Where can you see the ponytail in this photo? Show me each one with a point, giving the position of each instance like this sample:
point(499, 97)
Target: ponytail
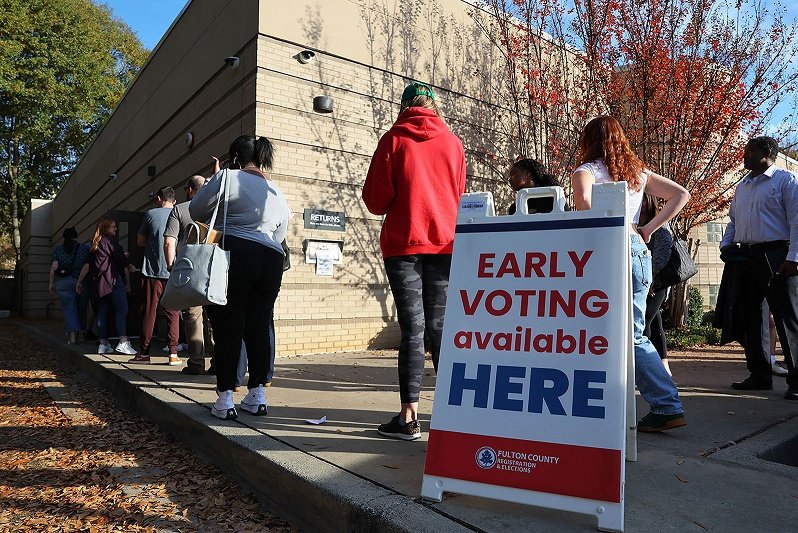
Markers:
point(264, 152)
point(250, 150)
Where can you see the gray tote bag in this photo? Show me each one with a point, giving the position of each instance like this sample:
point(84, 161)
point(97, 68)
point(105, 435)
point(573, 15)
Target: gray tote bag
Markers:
point(199, 273)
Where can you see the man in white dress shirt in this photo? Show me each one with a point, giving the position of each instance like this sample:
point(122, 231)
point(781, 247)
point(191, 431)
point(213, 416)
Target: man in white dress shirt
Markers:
point(764, 229)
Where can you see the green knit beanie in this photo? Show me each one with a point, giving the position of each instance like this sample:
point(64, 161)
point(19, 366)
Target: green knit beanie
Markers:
point(417, 89)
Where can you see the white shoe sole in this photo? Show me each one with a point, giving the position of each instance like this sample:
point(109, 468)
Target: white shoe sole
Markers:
point(258, 410)
point(402, 436)
point(125, 352)
point(227, 414)
point(175, 363)
point(779, 371)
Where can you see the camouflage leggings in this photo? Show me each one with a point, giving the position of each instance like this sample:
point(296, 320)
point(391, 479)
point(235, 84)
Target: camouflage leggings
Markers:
point(418, 284)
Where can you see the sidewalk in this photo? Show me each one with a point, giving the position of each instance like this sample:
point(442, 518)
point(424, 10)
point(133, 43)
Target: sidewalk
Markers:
point(342, 476)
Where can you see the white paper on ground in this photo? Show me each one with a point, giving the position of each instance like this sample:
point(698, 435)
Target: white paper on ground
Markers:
point(317, 422)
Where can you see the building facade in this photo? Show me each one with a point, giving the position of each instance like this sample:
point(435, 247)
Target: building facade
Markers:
point(232, 67)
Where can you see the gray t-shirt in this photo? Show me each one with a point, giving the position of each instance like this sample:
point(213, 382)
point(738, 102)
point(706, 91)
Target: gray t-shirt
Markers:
point(257, 210)
point(152, 227)
point(178, 222)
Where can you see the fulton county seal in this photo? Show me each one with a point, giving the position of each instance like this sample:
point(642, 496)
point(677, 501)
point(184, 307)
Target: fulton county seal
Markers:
point(486, 457)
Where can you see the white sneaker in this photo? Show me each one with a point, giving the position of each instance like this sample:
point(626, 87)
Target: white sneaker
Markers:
point(255, 401)
point(104, 348)
point(180, 347)
point(126, 348)
point(776, 367)
point(224, 407)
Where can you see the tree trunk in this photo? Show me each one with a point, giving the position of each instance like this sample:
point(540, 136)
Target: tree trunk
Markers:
point(12, 174)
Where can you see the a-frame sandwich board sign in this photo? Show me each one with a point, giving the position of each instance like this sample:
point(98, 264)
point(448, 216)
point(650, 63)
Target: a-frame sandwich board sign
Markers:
point(534, 378)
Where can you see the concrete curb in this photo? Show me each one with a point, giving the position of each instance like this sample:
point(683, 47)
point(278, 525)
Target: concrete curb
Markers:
point(310, 492)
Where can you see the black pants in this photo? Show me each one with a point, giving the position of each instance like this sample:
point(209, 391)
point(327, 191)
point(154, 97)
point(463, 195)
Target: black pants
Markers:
point(256, 272)
point(418, 284)
point(655, 330)
point(759, 283)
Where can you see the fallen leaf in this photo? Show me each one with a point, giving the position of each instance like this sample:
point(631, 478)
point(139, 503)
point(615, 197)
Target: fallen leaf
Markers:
point(730, 412)
point(680, 462)
point(680, 478)
point(702, 526)
point(392, 467)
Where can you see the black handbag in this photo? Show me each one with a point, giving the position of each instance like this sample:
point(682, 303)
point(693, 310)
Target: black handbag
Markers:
point(679, 268)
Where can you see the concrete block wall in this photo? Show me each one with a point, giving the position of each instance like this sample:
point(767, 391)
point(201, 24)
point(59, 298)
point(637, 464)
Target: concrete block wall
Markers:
point(35, 260)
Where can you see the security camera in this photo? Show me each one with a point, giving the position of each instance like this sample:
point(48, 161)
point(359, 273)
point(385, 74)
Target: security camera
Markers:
point(112, 176)
point(232, 62)
point(305, 56)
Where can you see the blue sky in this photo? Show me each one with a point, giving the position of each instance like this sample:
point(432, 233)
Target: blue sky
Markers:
point(148, 18)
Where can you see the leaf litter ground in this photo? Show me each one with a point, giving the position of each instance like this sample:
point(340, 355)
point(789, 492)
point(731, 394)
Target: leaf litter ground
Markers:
point(71, 460)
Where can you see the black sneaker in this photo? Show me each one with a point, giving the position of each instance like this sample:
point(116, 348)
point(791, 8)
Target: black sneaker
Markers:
point(193, 370)
point(750, 383)
point(393, 429)
point(653, 422)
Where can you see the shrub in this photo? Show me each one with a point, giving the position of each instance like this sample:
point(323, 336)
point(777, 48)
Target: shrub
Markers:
point(690, 336)
point(695, 307)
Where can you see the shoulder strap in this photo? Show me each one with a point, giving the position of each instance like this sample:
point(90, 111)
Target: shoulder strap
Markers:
point(226, 198)
point(223, 191)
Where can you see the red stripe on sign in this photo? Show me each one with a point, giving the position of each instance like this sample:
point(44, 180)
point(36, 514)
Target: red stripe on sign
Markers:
point(580, 471)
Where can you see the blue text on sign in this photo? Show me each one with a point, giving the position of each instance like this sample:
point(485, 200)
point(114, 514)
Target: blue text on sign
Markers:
point(543, 385)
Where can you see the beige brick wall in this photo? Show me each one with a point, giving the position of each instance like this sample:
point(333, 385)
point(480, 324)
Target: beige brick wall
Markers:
point(366, 51)
point(322, 159)
point(321, 163)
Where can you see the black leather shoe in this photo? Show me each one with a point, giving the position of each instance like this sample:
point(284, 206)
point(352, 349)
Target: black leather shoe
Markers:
point(791, 394)
point(751, 384)
point(193, 370)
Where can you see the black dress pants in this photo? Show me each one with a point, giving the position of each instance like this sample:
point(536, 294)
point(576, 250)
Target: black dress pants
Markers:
point(761, 282)
point(655, 330)
point(254, 278)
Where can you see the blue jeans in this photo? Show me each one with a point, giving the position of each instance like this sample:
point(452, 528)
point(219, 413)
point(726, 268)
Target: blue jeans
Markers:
point(65, 287)
point(118, 300)
point(655, 385)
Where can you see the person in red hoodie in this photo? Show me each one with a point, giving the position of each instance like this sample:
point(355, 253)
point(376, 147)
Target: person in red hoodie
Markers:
point(415, 179)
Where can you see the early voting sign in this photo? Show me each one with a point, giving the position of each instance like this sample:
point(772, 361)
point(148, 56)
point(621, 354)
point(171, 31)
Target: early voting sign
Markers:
point(532, 387)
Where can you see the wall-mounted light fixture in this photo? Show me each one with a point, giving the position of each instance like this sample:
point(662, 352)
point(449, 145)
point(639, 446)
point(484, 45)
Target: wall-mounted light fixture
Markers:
point(232, 62)
point(112, 176)
point(323, 104)
point(305, 56)
point(189, 139)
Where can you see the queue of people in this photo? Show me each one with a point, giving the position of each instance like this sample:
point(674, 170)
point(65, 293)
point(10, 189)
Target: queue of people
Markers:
point(415, 180)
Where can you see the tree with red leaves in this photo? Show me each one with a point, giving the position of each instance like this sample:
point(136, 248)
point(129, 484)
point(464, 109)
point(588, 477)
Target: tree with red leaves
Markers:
point(690, 81)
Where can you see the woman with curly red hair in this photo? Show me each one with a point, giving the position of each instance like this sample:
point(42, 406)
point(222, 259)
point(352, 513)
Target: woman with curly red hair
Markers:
point(606, 156)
